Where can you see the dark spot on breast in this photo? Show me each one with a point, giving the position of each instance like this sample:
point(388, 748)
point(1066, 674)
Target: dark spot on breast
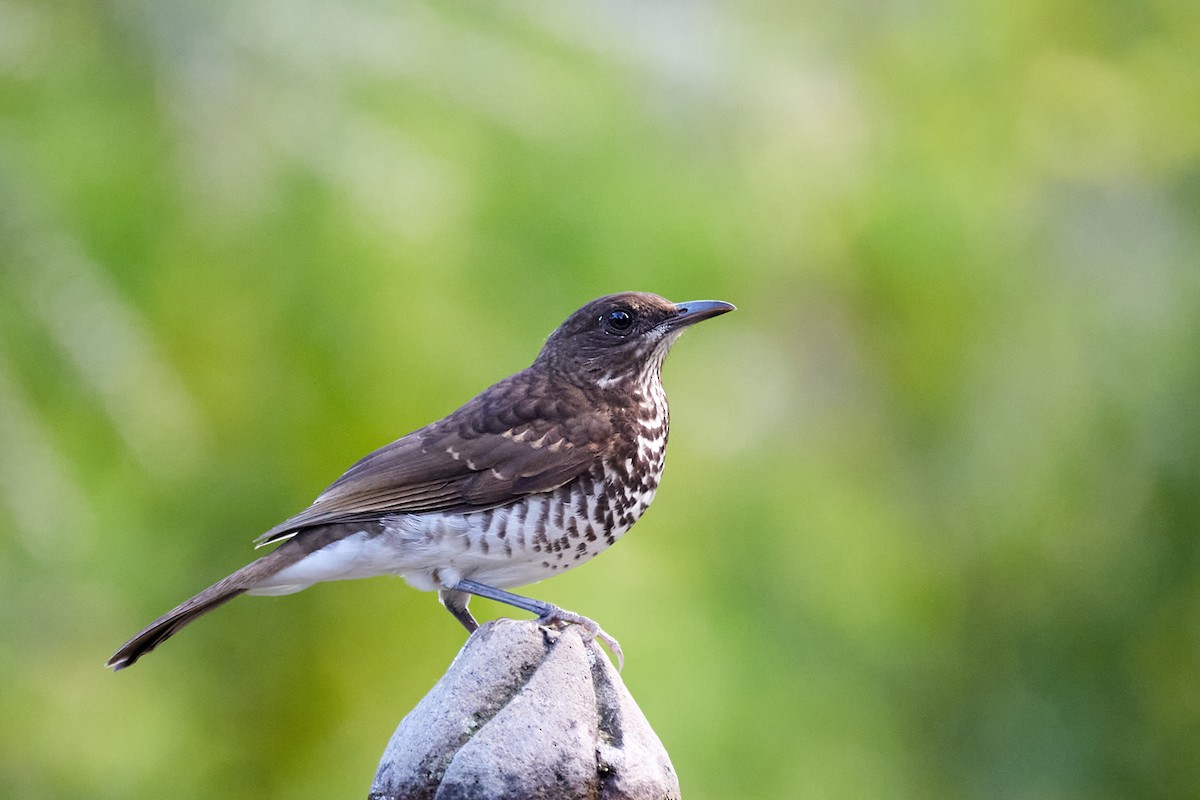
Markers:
point(601, 507)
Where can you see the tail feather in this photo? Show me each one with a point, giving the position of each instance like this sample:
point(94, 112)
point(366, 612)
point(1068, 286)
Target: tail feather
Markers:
point(165, 626)
point(250, 578)
point(214, 596)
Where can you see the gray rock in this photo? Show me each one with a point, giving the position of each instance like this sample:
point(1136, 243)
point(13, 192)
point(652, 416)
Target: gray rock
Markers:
point(526, 711)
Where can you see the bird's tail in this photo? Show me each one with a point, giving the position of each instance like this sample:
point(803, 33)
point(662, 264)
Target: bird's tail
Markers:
point(165, 626)
point(216, 595)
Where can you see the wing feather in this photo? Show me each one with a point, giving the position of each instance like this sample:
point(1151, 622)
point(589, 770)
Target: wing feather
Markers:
point(519, 437)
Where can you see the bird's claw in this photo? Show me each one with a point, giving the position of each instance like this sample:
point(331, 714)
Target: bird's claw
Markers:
point(559, 618)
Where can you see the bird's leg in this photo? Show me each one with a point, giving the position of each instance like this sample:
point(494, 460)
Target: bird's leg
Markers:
point(456, 603)
point(547, 613)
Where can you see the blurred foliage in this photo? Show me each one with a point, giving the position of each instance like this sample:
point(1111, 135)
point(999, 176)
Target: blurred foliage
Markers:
point(929, 525)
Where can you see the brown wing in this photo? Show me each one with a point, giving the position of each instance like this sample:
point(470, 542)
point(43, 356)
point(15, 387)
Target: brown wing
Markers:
point(527, 434)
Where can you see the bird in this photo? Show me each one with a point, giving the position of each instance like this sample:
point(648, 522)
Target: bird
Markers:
point(532, 477)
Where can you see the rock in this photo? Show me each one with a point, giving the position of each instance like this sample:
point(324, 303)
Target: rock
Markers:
point(526, 711)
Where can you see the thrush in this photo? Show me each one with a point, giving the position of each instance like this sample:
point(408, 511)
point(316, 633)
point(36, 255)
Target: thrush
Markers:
point(532, 477)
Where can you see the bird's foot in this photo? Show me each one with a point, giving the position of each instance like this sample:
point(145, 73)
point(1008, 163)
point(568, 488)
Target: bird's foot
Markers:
point(548, 613)
point(556, 617)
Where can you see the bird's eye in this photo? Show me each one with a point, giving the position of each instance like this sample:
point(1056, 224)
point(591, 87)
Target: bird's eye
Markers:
point(618, 321)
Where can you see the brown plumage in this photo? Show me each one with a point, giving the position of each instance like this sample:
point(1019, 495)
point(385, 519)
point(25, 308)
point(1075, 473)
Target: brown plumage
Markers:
point(534, 475)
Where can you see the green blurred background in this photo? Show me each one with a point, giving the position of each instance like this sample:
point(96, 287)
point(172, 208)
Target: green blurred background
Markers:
point(929, 522)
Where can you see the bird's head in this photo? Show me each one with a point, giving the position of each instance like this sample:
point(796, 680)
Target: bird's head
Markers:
point(622, 337)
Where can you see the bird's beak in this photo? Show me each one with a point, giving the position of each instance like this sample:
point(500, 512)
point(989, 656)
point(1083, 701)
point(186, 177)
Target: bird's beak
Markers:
point(697, 310)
